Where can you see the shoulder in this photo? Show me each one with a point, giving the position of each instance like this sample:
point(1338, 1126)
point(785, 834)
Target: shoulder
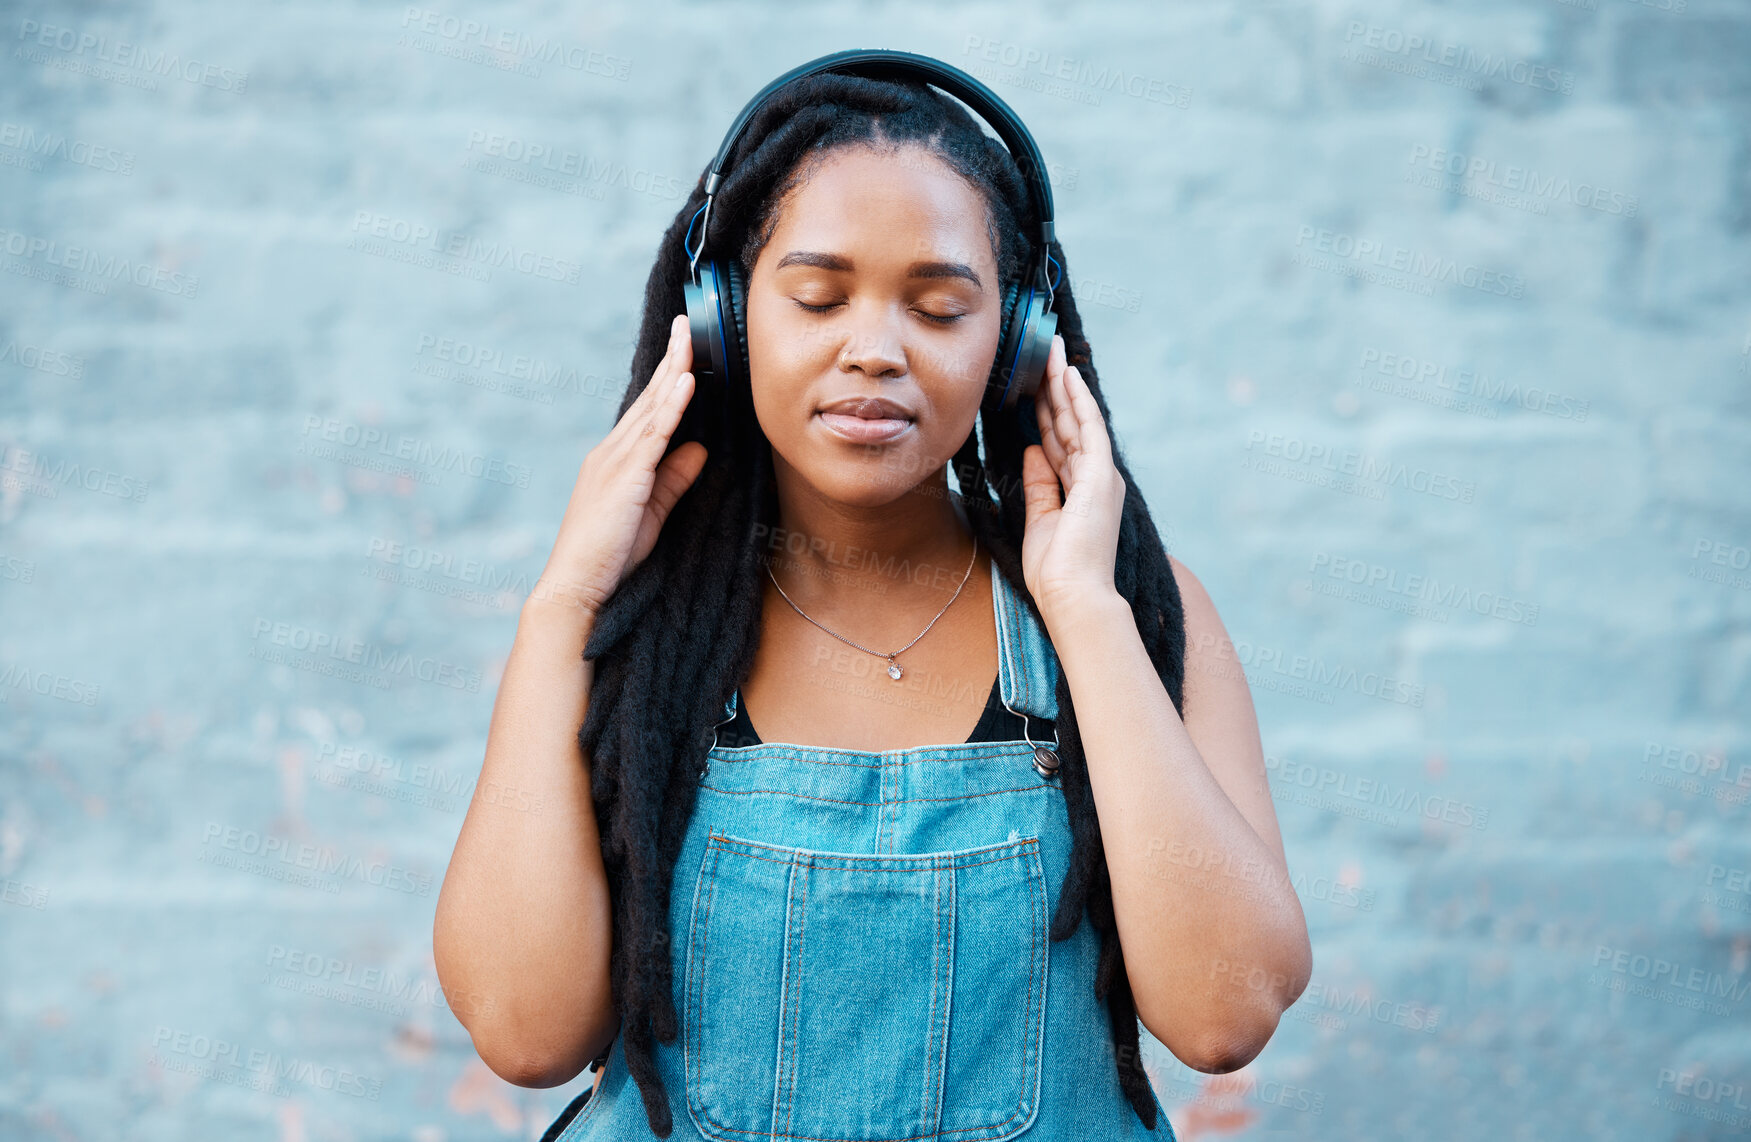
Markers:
point(1202, 621)
point(1215, 684)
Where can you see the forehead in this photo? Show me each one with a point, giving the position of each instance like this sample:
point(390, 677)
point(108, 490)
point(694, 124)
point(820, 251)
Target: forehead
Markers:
point(884, 207)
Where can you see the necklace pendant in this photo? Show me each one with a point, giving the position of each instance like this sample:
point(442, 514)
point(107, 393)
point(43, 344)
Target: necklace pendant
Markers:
point(894, 670)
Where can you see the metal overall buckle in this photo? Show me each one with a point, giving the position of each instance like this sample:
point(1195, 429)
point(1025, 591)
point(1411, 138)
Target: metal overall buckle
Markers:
point(1045, 757)
point(706, 767)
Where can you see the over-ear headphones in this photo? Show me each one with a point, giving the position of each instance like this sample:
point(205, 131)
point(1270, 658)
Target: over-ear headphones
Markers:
point(716, 294)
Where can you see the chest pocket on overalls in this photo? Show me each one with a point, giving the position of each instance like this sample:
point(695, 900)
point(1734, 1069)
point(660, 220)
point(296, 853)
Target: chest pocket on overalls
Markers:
point(836, 997)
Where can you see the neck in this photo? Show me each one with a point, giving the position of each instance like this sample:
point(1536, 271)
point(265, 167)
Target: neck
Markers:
point(917, 547)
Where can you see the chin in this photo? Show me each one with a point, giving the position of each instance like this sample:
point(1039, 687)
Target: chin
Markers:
point(861, 485)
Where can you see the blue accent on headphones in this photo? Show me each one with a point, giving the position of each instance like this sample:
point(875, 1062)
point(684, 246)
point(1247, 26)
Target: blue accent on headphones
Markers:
point(716, 312)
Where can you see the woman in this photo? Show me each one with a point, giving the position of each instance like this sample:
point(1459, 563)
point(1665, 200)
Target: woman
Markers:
point(864, 919)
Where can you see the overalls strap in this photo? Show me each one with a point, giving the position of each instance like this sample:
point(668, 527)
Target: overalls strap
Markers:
point(1028, 672)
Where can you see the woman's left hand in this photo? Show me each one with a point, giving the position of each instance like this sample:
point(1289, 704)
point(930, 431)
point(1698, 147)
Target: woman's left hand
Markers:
point(1074, 494)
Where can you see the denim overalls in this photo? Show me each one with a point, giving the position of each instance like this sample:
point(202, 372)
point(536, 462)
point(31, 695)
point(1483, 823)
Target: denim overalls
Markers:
point(861, 949)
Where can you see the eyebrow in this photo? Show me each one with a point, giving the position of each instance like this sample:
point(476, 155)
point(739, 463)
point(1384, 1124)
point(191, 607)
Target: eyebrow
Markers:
point(841, 264)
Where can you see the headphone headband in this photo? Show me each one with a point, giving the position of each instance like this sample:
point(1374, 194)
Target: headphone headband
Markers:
point(880, 63)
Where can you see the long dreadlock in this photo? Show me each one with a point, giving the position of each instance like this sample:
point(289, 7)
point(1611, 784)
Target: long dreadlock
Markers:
point(680, 634)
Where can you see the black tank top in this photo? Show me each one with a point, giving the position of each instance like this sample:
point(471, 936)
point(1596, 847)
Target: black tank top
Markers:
point(996, 724)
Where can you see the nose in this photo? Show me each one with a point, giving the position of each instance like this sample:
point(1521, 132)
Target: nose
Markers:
point(873, 349)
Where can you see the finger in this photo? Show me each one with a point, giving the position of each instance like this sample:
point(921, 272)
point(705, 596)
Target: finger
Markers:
point(1043, 415)
point(1064, 416)
point(1045, 408)
point(674, 476)
point(679, 358)
point(1040, 490)
point(1055, 357)
point(654, 433)
point(680, 342)
point(1092, 425)
point(669, 482)
point(662, 378)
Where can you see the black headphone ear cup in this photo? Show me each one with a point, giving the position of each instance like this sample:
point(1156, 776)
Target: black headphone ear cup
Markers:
point(738, 307)
point(700, 301)
point(995, 386)
point(1027, 343)
point(1038, 327)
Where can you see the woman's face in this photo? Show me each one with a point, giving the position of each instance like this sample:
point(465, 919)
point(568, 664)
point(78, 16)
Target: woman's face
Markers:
point(878, 282)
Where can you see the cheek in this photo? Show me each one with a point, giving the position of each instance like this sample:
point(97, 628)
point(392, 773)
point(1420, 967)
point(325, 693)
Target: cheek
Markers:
point(785, 351)
point(960, 366)
point(773, 370)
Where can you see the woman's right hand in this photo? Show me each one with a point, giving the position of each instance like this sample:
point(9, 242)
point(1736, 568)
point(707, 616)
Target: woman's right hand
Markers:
point(626, 487)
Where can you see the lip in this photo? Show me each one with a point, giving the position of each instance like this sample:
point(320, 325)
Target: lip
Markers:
point(866, 420)
point(864, 429)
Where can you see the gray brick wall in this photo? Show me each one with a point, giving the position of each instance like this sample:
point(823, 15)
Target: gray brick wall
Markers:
point(1426, 327)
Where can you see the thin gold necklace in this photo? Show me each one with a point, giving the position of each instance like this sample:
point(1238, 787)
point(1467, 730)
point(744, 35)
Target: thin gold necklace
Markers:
point(894, 668)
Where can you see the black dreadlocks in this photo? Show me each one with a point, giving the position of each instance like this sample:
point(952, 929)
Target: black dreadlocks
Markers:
point(680, 633)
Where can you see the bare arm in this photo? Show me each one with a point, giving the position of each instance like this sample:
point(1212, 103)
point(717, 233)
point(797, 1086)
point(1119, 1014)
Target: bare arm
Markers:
point(524, 927)
point(1216, 946)
point(1215, 943)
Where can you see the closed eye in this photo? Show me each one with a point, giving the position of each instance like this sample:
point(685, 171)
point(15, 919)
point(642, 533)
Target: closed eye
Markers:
point(934, 318)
